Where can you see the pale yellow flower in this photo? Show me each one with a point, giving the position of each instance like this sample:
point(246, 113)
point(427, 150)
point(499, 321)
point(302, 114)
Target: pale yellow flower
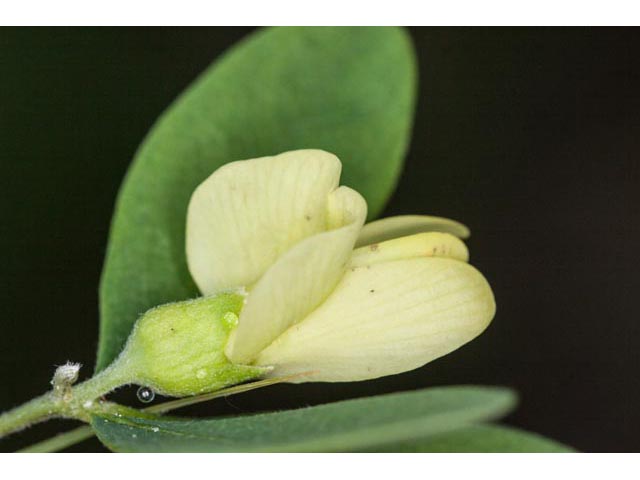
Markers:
point(325, 293)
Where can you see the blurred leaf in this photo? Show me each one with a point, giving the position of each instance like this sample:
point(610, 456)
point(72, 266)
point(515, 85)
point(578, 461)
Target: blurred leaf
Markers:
point(350, 91)
point(342, 426)
point(482, 439)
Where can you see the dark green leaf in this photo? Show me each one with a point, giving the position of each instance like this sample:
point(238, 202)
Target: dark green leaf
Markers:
point(482, 439)
point(350, 91)
point(343, 426)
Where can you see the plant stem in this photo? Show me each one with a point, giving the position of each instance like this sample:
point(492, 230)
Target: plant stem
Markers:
point(61, 441)
point(77, 435)
point(104, 382)
point(75, 402)
point(38, 409)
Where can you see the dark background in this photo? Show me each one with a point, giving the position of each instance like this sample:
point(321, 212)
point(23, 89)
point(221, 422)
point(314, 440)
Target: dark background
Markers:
point(529, 136)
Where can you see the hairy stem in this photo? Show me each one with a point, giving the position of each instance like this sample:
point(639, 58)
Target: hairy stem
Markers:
point(77, 435)
point(77, 402)
point(36, 410)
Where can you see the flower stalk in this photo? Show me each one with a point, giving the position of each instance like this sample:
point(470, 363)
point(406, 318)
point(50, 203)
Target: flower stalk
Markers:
point(65, 401)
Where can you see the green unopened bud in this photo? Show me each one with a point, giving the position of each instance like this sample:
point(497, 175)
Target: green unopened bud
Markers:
point(178, 349)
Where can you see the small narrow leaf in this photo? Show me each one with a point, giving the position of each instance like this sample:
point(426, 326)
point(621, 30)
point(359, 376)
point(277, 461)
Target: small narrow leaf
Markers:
point(482, 439)
point(343, 426)
point(349, 91)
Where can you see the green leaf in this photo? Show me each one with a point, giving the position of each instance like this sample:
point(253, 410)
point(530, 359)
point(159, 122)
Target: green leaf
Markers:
point(342, 426)
point(350, 91)
point(482, 439)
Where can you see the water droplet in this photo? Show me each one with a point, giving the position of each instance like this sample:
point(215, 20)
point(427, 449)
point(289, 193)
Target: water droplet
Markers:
point(201, 373)
point(146, 395)
point(155, 429)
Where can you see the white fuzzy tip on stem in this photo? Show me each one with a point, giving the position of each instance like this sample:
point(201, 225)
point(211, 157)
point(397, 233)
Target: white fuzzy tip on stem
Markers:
point(65, 376)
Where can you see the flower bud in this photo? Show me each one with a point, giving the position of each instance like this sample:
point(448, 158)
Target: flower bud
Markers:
point(178, 349)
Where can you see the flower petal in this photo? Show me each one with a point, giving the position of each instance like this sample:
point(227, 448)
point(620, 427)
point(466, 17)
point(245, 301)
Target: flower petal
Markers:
point(247, 213)
point(385, 319)
point(430, 244)
point(403, 225)
point(300, 280)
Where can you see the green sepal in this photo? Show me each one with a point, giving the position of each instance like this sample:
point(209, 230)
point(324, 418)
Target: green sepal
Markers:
point(177, 349)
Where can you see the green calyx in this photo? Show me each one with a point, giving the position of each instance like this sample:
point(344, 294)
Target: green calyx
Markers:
point(178, 349)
